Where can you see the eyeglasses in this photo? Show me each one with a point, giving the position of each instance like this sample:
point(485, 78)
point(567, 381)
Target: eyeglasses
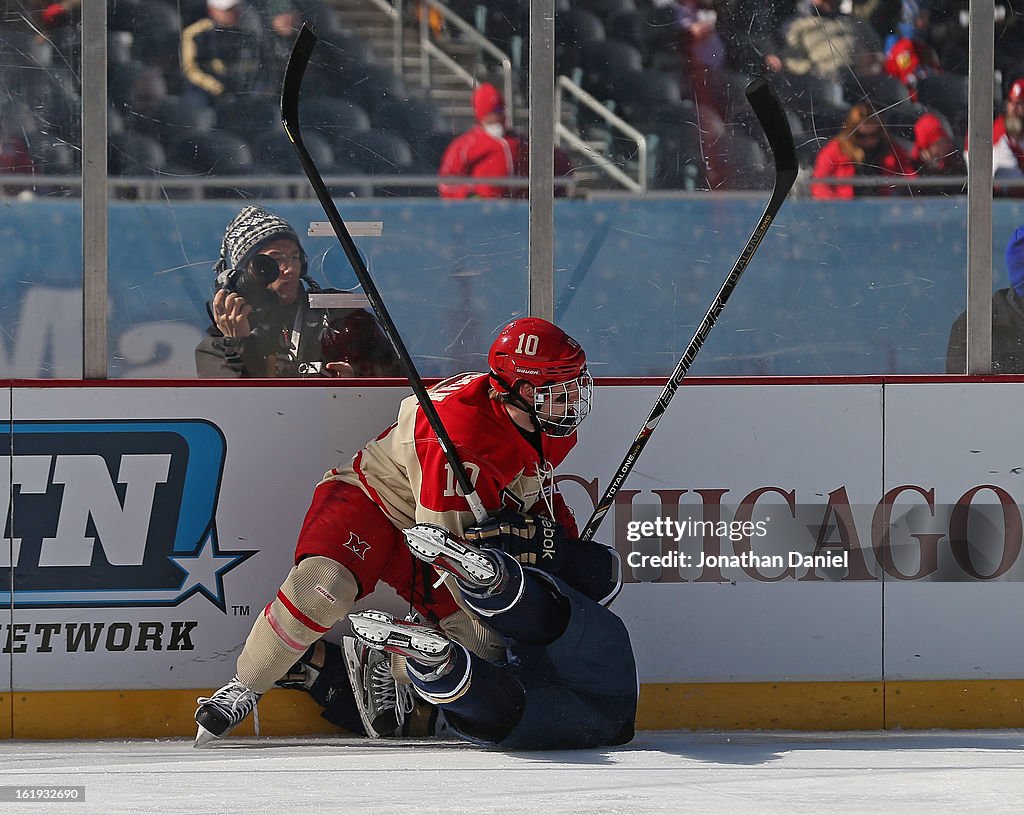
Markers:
point(283, 260)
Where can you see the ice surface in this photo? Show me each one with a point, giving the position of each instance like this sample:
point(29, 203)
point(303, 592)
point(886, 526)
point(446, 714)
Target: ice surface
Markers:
point(734, 773)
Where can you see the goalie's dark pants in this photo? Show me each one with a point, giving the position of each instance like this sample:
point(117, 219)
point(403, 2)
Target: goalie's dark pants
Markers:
point(572, 681)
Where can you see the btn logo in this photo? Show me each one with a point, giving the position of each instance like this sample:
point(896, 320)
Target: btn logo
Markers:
point(112, 513)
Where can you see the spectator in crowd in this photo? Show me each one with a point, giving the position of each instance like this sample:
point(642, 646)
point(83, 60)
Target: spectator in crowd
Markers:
point(753, 44)
point(14, 157)
point(829, 44)
point(934, 154)
point(37, 18)
point(57, 14)
point(1007, 320)
point(490, 149)
point(262, 324)
point(282, 22)
point(861, 149)
point(220, 55)
point(1008, 136)
point(704, 55)
point(908, 56)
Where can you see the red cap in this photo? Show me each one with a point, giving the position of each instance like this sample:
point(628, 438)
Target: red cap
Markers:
point(1016, 91)
point(928, 130)
point(487, 99)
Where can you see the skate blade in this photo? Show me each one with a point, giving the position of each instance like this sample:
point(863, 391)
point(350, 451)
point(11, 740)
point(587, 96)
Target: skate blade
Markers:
point(379, 630)
point(439, 547)
point(203, 737)
point(354, 671)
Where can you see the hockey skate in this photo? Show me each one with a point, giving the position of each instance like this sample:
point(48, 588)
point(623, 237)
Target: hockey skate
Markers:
point(218, 715)
point(320, 672)
point(472, 566)
point(381, 631)
point(381, 701)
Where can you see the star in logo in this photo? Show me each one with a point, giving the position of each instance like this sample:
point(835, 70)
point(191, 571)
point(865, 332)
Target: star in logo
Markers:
point(205, 570)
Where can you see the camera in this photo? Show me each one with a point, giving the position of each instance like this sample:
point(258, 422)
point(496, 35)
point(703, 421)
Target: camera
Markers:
point(251, 282)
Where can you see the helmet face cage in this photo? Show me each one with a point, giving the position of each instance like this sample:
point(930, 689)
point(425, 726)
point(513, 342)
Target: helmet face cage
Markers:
point(562, 406)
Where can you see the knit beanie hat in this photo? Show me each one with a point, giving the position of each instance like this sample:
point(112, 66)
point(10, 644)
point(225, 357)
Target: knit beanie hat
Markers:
point(487, 99)
point(1015, 260)
point(251, 230)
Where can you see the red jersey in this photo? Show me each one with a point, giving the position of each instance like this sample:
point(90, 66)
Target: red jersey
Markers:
point(404, 470)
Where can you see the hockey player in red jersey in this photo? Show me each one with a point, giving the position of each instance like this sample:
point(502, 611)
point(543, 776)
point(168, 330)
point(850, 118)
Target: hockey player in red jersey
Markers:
point(510, 428)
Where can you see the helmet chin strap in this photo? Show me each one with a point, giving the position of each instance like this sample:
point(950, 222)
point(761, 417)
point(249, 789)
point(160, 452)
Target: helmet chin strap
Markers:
point(518, 401)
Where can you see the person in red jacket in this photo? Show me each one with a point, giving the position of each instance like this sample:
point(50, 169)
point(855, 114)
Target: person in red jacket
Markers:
point(862, 148)
point(1008, 136)
point(908, 55)
point(490, 149)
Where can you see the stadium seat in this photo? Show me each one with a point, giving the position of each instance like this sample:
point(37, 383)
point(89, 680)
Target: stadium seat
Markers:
point(747, 165)
point(173, 117)
point(603, 60)
point(428, 148)
point(131, 153)
point(631, 27)
point(605, 9)
point(274, 153)
point(574, 28)
point(638, 93)
point(247, 115)
point(376, 152)
point(216, 152)
point(946, 93)
point(409, 118)
point(333, 117)
point(676, 154)
point(371, 84)
point(156, 35)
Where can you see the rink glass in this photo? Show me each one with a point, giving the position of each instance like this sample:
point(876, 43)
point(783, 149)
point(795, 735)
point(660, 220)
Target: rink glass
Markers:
point(869, 285)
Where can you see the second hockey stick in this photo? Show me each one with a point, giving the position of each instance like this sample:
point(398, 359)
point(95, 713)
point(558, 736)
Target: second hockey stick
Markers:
point(297, 62)
point(776, 129)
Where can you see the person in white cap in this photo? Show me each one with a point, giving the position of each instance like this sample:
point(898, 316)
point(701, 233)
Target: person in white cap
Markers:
point(220, 56)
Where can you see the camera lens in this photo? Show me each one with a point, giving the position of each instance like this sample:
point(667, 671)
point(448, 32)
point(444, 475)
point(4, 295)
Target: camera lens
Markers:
point(253, 281)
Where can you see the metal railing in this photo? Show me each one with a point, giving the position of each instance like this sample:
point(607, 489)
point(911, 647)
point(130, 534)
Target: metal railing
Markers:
point(396, 12)
point(430, 50)
point(601, 161)
point(295, 187)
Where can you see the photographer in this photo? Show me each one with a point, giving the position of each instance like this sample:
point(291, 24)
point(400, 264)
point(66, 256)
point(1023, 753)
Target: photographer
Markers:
point(263, 325)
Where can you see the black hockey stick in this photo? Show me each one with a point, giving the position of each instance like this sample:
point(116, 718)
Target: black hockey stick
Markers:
point(776, 129)
point(297, 62)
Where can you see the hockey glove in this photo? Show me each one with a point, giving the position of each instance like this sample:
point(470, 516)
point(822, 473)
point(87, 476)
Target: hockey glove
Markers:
point(532, 540)
point(589, 567)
